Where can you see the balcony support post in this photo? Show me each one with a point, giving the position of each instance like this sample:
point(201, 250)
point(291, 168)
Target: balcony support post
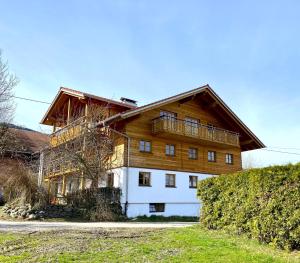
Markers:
point(86, 110)
point(82, 182)
point(63, 185)
point(54, 127)
point(69, 111)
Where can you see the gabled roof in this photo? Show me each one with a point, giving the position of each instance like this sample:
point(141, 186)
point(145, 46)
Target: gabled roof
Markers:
point(255, 142)
point(249, 141)
point(81, 95)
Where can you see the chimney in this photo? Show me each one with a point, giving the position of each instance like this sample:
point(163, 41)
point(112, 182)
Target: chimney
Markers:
point(129, 101)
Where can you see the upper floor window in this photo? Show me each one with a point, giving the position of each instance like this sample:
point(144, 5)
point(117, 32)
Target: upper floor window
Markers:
point(145, 146)
point(170, 180)
point(168, 115)
point(144, 179)
point(229, 158)
point(193, 153)
point(193, 180)
point(210, 126)
point(191, 122)
point(212, 156)
point(191, 126)
point(170, 149)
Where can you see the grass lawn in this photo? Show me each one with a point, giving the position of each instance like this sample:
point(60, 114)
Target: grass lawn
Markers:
point(193, 244)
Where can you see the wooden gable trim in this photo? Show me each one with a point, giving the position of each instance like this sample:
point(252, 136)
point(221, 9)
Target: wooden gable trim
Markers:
point(81, 96)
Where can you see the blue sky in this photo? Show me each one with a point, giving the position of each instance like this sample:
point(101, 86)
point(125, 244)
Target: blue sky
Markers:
point(248, 51)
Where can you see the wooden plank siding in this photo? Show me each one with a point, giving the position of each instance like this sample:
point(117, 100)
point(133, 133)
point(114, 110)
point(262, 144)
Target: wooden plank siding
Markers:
point(141, 128)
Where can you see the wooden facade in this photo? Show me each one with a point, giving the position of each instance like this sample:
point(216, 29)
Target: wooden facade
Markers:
point(141, 128)
point(196, 120)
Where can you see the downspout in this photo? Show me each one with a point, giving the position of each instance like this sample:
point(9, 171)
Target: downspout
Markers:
point(128, 163)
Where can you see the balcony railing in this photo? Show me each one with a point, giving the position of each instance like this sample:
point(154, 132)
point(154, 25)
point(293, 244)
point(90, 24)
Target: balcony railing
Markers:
point(194, 130)
point(68, 132)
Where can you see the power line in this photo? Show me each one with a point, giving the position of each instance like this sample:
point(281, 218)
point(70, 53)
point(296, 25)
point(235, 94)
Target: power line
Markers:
point(269, 150)
point(280, 151)
point(38, 101)
point(285, 148)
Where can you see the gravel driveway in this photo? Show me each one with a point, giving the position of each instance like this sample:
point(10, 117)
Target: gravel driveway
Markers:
point(36, 226)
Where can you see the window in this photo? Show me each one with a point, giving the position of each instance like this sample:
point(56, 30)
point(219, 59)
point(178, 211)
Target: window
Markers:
point(210, 127)
point(168, 115)
point(156, 207)
point(211, 156)
point(110, 180)
point(191, 126)
point(193, 181)
point(145, 146)
point(170, 149)
point(193, 153)
point(170, 180)
point(144, 179)
point(229, 158)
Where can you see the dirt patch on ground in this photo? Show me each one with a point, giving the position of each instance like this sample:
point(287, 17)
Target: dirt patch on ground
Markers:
point(56, 242)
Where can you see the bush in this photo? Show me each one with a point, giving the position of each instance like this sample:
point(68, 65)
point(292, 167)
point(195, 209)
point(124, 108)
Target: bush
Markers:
point(263, 203)
point(20, 187)
point(100, 204)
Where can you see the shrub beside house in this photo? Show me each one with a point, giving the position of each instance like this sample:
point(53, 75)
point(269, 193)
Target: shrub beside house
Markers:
point(22, 153)
point(262, 203)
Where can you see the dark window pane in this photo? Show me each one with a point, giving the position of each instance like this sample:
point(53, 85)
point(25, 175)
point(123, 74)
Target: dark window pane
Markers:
point(193, 181)
point(144, 179)
point(156, 207)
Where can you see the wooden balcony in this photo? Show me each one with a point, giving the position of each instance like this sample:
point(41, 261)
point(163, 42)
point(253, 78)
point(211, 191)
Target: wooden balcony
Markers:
point(199, 132)
point(68, 132)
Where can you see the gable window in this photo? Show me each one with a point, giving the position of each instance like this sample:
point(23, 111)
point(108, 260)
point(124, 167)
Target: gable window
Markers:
point(110, 180)
point(144, 178)
point(170, 149)
point(229, 158)
point(211, 156)
point(156, 207)
point(145, 146)
point(170, 180)
point(193, 180)
point(193, 153)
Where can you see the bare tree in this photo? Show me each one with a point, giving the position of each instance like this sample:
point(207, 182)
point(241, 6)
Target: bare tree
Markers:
point(84, 148)
point(7, 83)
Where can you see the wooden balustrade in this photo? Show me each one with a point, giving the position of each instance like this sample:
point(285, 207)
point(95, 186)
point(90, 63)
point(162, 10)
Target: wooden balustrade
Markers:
point(192, 130)
point(68, 132)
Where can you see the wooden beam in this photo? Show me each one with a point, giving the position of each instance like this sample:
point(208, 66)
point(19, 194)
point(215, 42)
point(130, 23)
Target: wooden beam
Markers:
point(54, 127)
point(64, 185)
point(246, 142)
point(69, 111)
point(86, 110)
point(82, 182)
point(187, 99)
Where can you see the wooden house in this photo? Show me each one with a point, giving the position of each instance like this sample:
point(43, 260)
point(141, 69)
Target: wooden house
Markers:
point(164, 148)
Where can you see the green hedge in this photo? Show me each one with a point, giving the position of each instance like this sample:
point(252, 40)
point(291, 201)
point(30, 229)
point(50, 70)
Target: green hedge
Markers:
point(263, 203)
